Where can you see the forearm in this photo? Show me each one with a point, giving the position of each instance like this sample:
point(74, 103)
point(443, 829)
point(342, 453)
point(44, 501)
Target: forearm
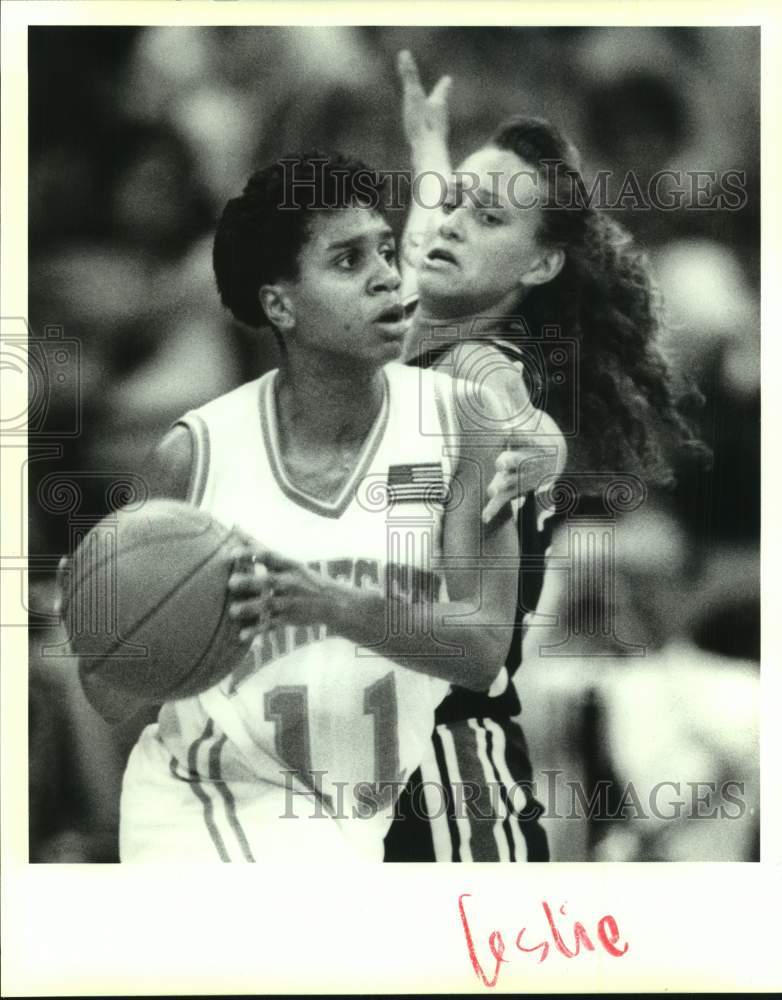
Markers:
point(425, 123)
point(431, 171)
point(424, 636)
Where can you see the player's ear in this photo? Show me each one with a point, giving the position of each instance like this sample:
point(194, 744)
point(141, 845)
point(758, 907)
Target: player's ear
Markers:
point(546, 267)
point(277, 306)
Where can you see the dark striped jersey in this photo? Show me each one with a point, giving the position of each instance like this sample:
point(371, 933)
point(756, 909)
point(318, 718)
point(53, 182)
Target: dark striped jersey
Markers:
point(534, 534)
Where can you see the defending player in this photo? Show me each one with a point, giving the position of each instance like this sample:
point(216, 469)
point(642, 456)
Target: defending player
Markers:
point(509, 253)
point(374, 599)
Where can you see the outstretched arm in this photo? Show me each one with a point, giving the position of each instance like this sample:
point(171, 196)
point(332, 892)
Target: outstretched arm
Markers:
point(534, 453)
point(533, 450)
point(425, 123)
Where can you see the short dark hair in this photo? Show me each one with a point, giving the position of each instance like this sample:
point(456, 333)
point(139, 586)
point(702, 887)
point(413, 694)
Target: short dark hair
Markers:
point(261, 233)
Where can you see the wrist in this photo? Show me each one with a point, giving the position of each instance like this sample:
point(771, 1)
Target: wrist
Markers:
point(357, 614)
point(429, 153)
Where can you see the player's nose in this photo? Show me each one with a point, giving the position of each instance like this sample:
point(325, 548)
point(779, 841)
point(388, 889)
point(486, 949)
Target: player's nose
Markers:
point(386, 277)
point(450, 227)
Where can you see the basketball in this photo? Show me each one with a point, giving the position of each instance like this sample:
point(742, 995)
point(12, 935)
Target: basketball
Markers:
point(146, 606)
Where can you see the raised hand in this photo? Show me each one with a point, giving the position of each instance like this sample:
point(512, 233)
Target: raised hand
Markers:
point(424, 118)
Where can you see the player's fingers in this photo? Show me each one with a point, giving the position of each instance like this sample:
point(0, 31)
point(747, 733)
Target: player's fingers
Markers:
point(504, 461)
point(244, 554)
point(249, 632)
point(248, 612)
point(492, 508)
point(275, 562)
point(252, 583)
point(504, 482)
point(408, 71)
point(522, 457)
point(441, 90)
point(284, 582)
point(497, 485)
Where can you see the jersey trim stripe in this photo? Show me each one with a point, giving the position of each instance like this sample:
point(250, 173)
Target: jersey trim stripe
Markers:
point(454, 778)
point(334, 508)
point(506, 823)
point(227, 796)
point(445, 786)
point(501, 829)
point(200, 794)
point(199, 471)
point(482, 839)
point(508, 782)
point(451, 438)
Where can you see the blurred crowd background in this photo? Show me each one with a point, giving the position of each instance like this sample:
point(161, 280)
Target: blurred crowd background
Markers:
point(139, 135)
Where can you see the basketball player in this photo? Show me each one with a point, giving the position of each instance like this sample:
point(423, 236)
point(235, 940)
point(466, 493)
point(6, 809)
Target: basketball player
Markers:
point(360, 588)
point(505, 257)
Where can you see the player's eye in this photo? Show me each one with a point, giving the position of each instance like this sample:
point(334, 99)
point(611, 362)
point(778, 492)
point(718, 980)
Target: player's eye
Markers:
point(348, 261)
point(389, 254)
point(451, 201)
point(491, 218)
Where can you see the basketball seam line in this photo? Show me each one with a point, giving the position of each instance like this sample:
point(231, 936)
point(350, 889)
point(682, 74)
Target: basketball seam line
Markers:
point(220, 632)
point(132, 548)
point(145, 618)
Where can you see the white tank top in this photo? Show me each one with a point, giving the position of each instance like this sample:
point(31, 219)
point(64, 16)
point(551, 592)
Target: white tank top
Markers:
point(307, 709)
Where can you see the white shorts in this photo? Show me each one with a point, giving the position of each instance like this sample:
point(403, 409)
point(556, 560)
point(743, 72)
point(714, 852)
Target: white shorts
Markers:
point(169, 815)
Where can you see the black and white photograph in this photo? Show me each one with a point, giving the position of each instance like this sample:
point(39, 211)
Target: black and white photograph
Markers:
point(389, 482)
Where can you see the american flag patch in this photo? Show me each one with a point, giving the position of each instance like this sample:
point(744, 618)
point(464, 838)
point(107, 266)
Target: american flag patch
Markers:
point(416, 482)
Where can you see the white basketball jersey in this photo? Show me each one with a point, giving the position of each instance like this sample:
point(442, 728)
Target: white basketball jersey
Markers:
point(307, 709)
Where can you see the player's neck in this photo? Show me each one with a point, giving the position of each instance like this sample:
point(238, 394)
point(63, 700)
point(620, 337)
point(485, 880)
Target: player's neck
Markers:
point(460, 322)
point(328, 406)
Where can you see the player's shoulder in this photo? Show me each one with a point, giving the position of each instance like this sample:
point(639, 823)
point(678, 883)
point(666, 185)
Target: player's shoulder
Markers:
point(485, 365)
point(466, 359)
point(411, 381)
point(174, 465)
point(240, 397)
point(168, 470)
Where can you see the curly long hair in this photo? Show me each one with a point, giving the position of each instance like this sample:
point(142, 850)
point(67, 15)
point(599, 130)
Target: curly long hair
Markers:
point(630, 416)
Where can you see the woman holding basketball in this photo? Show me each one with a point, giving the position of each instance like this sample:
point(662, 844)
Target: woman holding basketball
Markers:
point(517, 284)
point(374, 599)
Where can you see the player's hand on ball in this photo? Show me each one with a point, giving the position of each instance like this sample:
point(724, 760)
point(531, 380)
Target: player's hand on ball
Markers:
point(424, 118)
point(269, 589)
point(528, 460)
point(250, 592)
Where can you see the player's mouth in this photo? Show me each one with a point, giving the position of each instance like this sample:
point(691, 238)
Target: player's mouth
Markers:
point(439, 257)
point(392, 321)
